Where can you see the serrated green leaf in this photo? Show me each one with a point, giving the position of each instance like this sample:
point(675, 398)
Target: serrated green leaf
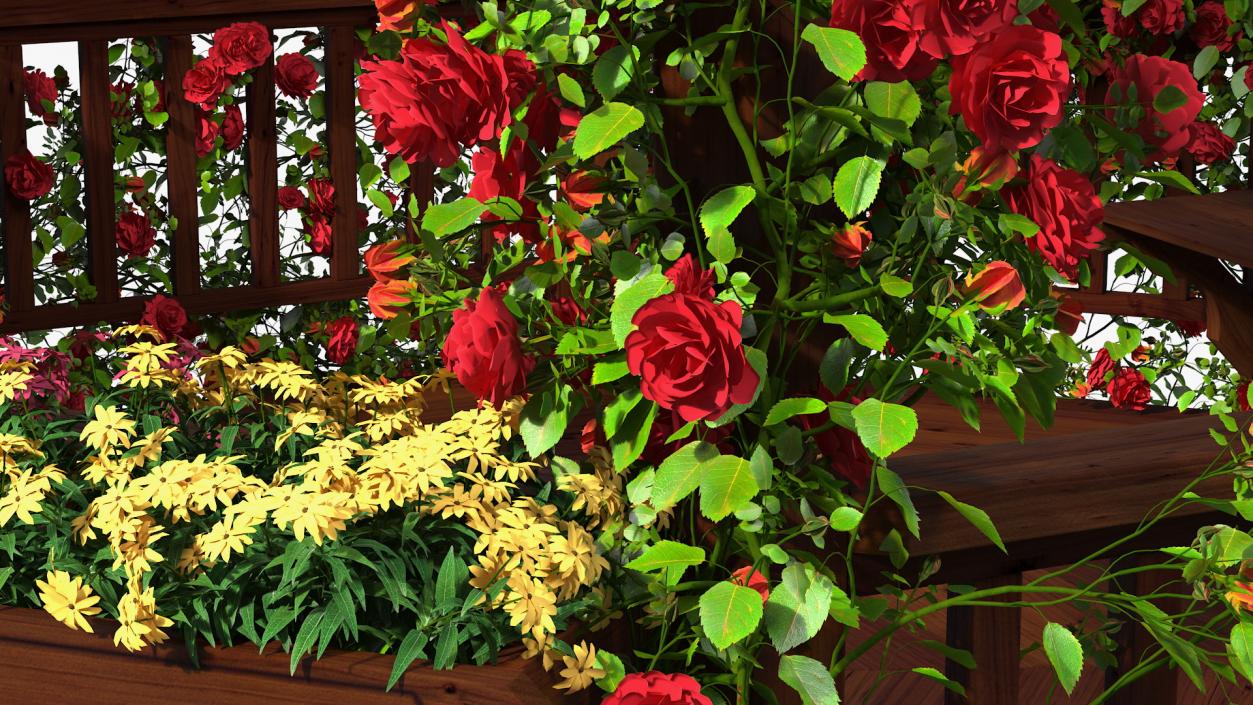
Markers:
point(721, 209)
point(857, 185)
point(898, 101)
point(571, 90)
point(863, 328)
point(679, 474)
point(613, 70)
point(1065, 653)
point(544, 419)
point(810, 679)
point(445, 218)
point(604, 127)
point(726, 485)
point(840, 50)
point(729, 612)
point(885, 428)
point(797, 607)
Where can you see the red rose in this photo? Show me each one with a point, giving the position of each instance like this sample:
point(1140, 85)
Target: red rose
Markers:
point(850, 243)
point(1046, 18)
point(241, 47)
point(397, 14)
point(318, 228)
point(1116, 23)
point(205, 83)
point(1191, 329)
point(437, 98)
point(688, 353)
point(548, 119)
point(1065, 206)
point(1069, 315)
point(484, 351)
point(567, 310)
point(505, 177)
point(996, 285)
point(1248, 76)
point(655, 688)
point(290, 197)
point(134, 234)
point(232, 128)
point(321, 197)
point(841, 447)
point(583, 190)
point(343, 334)
point(1129, 390)
point(752, 578)
point(955, 27)
point(1100, 368)
point(1166, 133)
point(1242, 397)
point(28, 177)
point(1212, 27)
point(892, 31)
point(166, 315)
point(1162, 17)
point(387, 298)
point(1012, 89)
point(688, 278)
point(1209, 144)
point(295, 75)
point(135, 184)
point(39, 87)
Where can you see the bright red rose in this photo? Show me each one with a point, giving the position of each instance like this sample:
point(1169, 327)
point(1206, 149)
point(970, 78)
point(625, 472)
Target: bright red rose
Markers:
point(1100, 368)
point(134, 234)
point(484, 351)
point(39, 87)
point(1129, 390)
point(206, 134)
point(955, 27)
point(321, 197)
point(1242, 397)
point(750, 578)
point(850, 243)
point(387, 298)
point(295, 75)
point(241, 47)
point(384, 262)
point(1209, 144)
point(28, 176)
point(996, 285)
point(166, 315)
point(688, 278)
point(232, 128)
point(205, 83)
point(1164, 133)
point(655, 688)
point(290, 197)
point(892, 31)
point(437, 98)
point(318, 228)
point(1161, 17)
point(689, 356)
point(505, 177)
point(1069, 315)
point(1212, 27)
point(343, 334)
point(1012, 89)
point(1065, 206)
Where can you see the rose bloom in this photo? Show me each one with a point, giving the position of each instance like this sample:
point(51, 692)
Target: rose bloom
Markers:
point(207, 131)
point(1164, 133)
point(241, 47)
point(689, 278)
point(321, 197)
point(39, 87)
point(166, 315)
point(295, 75)
point(484, 351)
point(387, 298)
point(997, 285)
point(1191, 329)
point(28, 177)
point(654, 688)
point(1242, 397)
point(1161, 17)
point(1115, 22)
point(1065, 206)
point(1046, 18)
point(751, 578)
point(205, 83)
point(850, 243)
point(1212, 27)
point(568, 311)
point(134, 234)
point(505, 177)
point(1209, 144)
point(1102, 365)
point(232, 128)
point(318, 228)
point(343, 334)
point(290, 197)
point(955, 27)
point(658, 447)
point(689, 356)
point(384, 262)
point(1012, 88)
point(841, 447)
point(892, 31)
point(1129, 390)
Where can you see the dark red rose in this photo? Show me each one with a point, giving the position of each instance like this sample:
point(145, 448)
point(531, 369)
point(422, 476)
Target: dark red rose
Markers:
point(290, 197)
point(321, 197)
point(1129, 390)
point(241, 47)
point(505, 177)
point(567, 310)
point(1242, 397)
point(849, 243)
point(39, 87)
point(1164, 133)
point(1248, 76)
point(688, 278)
point(892, 31)
point(689, 356)
point(437, 98)
point(1212, 27)
point(134, 234)
point(1046, 18)
point(1191, 329)
point(84, 343)
point(521, 73)
point(296, 76)
point(1065, 206)
point(1209, 144)
point(166, 315)
point(1100, 368)
point(1116, 23)
point(752, 578)
point(658, 447)
point(1161, 17)
point(206, 134)
point(232, 128)
point(484, 351)
point(841, 447)
point(205, 83)
point(28, 177)
point(318, 228)
point(955, 27)
point(654, 688)
point(1012, 88)
point(343, 334)
point(548, 119)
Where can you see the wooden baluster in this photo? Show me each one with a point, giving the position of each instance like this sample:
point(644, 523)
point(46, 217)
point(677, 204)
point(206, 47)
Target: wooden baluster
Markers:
point(1159, 686)
point(421, 187)
point(1099, 266)
point(181, 180)
point(991, 635)
point(93, 59)
point(341, 117)
point(19, 261)
point(263, 177)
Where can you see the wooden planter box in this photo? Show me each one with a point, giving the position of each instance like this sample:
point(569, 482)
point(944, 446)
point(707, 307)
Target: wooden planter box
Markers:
point(45, 663)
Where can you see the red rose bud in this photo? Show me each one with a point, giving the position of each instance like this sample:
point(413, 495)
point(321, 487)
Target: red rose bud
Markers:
point(484, 351)
point(134, 234)
point(206, 134)
point(397, 15)
point(321, 197)
point(1242, 397)
point(1141, 353)
point(892, 31)
point(1191, 329)
point(1129, 390)
point(750, 578)
point(997, 286)
point(343, 334)
point(1101, 366)
point(135, 184)
point(316, 152)
point(296, 75)
point(654, 688)
point(850, 243)
point(27, 176)
point(984, 169)
point(241, 47)
point(387, 298)
point(385, 261)
point(1069, 316)
point(290, 197)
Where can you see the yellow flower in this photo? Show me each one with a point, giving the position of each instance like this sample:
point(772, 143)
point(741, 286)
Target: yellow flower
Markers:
point(140, 624)
point(13, 380)
point(23, 498)
point(231, 534)
point(321, 515)
point(531, 605)
point(138, 331)
point(580, 669)
point(229, 357)
point(108, 429)
point(68, 600)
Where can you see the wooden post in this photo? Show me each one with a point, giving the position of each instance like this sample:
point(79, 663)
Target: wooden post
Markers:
point(97, 116)
point(422, 188)
point(1159, 686)
point(263, 177)
point(992, 635)
point(181, 182)
point(341, 117)
point(19, 263)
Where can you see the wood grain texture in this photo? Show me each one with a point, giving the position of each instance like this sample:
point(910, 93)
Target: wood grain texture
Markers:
point(1216, 224)
point(180, 171)
point(98, 188)
point(991, 635)
point(262, 138)
point(1160, 686)
point(341, 116)
point(19, 263)
point(1124, 303)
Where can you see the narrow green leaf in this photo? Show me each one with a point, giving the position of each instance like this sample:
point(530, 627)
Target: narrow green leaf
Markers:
point(978, 517)
point(667, 554)
point(787, 408)
point(410, 650)
point(893, 487)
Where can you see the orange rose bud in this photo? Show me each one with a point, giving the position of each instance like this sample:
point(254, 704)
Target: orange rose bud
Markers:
point(1242, 597)
point(850, 243)
point(583, 190)
point(996, 285)
point(385, 260)
point(984, 170)
point(1069, 316)
point(135, 184)
point(387, 298)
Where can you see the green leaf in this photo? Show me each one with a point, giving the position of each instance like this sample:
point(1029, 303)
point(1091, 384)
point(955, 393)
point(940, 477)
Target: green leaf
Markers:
point(895, 286)
point(609, 371)
point(571, 90)
point(398, 169)
point(544, 419)
point(613, 71)
point(1242, 648)
point(1064, 653)
point(833, 369)
point(604, 127)
point(410, 650)
point(787, 408)
point(797, 607)
point(809, 678)
point(978, 517)
point(446, 647)
point(631, 438)
point(1169, 98)
point(444, 218)
point(305, 638)
point(857, 184)
point(840, 50)
point(729, 612)
point(885, 428)
point(721, 209)
point(893, 487)
point(447, 581)
point(678, 475)
point(898, 101)
point(935, 675)
point(845, 518)
point(863, 328)
point(627, 303)
point(667, 554)
point(1205, 61)
point(726, 485)
point(1171, 178)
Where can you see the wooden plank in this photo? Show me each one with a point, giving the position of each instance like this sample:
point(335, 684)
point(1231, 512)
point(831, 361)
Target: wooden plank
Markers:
point(1125, 303)
point(98, 190)
point(19, 260)
point(164, 24)
point(1215, 224)
point(341, 117)
point(1159, 686)
point(991, 635)
point(263, 234)
point(27, 13)
point(181, 181)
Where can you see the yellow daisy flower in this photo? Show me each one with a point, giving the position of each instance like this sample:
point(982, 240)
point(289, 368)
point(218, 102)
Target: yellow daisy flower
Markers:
point(68, 600)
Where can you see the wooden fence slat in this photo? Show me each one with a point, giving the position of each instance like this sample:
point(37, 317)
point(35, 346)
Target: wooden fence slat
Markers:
point(991, 635)
point(341, 116)
point(263, 177)
point(19, 263)
point(93, 59)
point(181, 182)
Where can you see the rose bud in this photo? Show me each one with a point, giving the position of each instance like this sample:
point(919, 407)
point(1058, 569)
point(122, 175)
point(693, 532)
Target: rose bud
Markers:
point(850, 243)
point(996, 285)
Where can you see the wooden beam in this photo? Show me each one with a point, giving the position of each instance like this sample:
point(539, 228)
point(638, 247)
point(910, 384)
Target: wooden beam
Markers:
point(263, 235)
point(1216, 225)
point(341, 118)
point(34, 13)
point(991, 635)
point(1126, 303)
point(19, 260)
point(97, 111)
point(182, 183)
